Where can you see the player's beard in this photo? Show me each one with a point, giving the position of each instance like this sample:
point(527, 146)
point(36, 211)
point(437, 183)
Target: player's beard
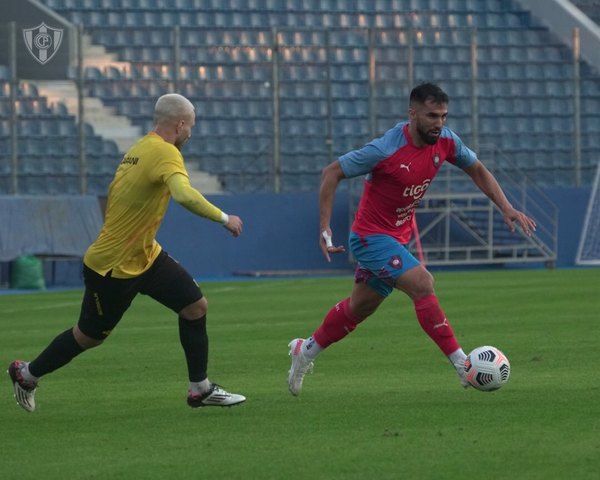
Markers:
point(427, 137)
point(179, 143)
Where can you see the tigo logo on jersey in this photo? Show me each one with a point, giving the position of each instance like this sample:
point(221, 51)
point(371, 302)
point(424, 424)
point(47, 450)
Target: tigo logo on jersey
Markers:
point(416, 191)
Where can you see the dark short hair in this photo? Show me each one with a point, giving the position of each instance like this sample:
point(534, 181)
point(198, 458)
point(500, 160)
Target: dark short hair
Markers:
point(428, 92)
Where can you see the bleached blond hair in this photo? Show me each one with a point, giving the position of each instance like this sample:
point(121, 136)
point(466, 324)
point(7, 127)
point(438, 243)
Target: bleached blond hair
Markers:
point(171, 107)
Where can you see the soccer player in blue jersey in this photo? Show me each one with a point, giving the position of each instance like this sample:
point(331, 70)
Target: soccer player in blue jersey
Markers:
point(399, 168)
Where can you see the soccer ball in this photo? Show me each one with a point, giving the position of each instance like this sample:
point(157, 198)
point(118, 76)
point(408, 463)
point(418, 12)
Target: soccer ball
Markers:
point(487, 368)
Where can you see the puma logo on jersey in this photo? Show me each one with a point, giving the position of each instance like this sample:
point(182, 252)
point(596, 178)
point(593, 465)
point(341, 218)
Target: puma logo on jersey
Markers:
point(405, 166)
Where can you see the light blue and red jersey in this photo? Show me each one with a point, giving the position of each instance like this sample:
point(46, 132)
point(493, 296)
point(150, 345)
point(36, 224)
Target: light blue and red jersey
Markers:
point(397, 176)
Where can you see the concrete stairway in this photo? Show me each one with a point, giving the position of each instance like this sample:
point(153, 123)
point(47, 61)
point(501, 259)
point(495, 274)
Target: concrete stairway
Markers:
point(104, 120)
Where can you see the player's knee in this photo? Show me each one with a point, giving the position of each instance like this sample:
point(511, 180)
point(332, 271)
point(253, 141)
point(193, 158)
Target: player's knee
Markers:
point(424, 286)
point(195, 310)
point(84, 341)
point(427, 282)
point(418, 283)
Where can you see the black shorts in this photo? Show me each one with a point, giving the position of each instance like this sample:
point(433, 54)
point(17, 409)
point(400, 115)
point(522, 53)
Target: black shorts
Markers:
point(106, 299)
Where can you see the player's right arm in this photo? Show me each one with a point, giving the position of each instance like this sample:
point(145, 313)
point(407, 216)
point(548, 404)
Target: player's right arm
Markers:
point(353, 164)
point(183, 193)
point(331, 176)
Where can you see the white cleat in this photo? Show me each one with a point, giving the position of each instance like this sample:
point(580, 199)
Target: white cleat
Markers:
point(462, 375)
point(300, 366)
point(24, 391)
point(215, 397)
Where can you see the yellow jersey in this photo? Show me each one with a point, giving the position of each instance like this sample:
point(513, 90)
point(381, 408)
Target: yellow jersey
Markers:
point(138, 197)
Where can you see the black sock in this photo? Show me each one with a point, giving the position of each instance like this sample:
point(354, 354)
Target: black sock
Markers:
point(194, 340)
point(61, 351)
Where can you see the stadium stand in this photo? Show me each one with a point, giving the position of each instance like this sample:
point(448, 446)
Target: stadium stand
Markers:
point(590, 7)
point(525, 82)
point(48, 148)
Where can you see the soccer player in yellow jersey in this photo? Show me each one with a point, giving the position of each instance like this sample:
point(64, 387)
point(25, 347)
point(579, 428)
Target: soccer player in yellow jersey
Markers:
point(126, 260)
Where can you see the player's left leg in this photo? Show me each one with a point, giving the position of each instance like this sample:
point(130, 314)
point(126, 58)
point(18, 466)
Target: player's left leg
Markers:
point(171, 285)
point(417, 283)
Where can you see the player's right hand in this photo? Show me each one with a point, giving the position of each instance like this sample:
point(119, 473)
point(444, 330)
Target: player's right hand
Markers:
point(234, 225)
point(327, 246)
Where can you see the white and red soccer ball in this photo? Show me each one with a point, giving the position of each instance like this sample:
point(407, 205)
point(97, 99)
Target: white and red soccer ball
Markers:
point(487, 368)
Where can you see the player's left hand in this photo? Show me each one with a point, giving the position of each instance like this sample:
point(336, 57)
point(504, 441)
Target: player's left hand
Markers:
point(526, 223)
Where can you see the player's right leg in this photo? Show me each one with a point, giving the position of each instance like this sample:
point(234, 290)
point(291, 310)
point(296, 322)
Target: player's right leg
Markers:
point(25, 375)
point(341, 320)
point(301, 363)
point(104, 302)
point(24, 386)
point(367, 294)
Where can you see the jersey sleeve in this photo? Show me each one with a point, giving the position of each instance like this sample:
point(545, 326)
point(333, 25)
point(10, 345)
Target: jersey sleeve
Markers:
point(362, 161)
point(169, 162)
point(184, 194)
point(461, 156)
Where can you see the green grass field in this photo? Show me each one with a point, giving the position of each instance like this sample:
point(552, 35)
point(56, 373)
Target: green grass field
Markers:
point(382, 404)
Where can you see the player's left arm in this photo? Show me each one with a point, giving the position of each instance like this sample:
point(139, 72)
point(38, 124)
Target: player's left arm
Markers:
point(487, 183)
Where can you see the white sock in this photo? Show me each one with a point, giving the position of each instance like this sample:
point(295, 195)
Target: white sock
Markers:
point(310, 348)
point(199, 388)
point(27, 376)
point(457, 356)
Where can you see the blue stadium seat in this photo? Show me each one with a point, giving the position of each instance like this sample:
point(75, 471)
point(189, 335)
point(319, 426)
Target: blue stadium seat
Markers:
point(92, 73)
point(28, 89)
point(4, 127)
point(33, 185)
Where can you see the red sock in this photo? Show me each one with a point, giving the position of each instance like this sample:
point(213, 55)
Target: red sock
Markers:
point(338, 323)
point(435, 324)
